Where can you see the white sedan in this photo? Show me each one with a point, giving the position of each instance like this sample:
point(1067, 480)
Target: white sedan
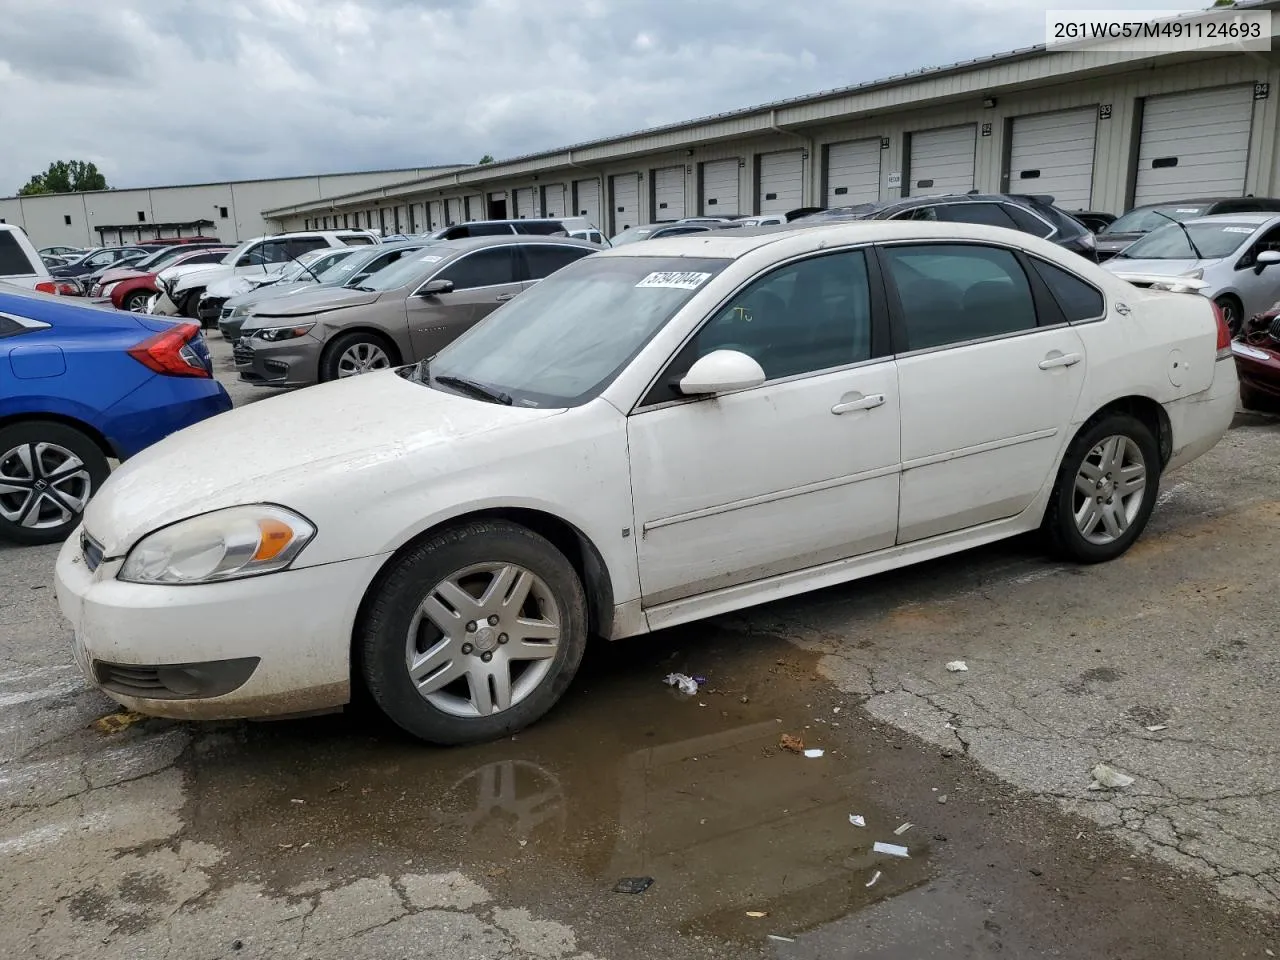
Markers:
point(657, 433)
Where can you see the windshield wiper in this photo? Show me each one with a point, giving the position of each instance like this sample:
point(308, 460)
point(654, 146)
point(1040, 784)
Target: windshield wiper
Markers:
point(476, 389)
point(1185, 232)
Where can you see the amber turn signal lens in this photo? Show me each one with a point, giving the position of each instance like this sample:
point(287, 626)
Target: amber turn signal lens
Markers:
point(275, 537)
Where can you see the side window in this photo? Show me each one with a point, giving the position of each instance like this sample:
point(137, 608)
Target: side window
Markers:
point(216, 257)
point(1268, 241)
point(544, 260)
point(801, 318)
point(1079, 300)
point(547, 228)
point(297, 246)
point(104, 259)
point(484, 268)
point(274, 251)
point(483, 229)
point(917, 213)
point(14, 261)
point(357, 239)
point(987, 214)
point(1026, 221)
point(952, 293)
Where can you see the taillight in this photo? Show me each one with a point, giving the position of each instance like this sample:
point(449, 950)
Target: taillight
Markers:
point(1224, 332)
point(60, 288)
point(170, 352)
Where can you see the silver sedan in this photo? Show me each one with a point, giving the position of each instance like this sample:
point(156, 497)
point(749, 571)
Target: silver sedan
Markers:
point(1235, 256)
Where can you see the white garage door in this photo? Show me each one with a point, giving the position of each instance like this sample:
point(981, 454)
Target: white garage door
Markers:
point(435, 214)
point(526, 203)
point(454, 210)
point(587, 200)
point(668, 194)
point(781, 186)
point(476, 208)
point(720, 188)
point(1053, 153)
point(418, 217)
point(625, 191)
point(942, 161)
point(553, 200)
point(853, 172)
point(1194, 145)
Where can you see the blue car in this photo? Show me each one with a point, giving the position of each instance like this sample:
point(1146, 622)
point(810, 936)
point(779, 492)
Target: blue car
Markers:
point(80, 385)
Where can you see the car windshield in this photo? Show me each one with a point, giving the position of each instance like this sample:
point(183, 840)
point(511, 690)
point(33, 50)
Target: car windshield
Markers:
point(562, 341)
point(1146, 219)
point(347, 267)
point(1213, 240)
point(314, 263)
point(406, 269)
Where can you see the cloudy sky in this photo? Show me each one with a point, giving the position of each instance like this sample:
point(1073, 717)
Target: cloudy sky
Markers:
point(180, 91)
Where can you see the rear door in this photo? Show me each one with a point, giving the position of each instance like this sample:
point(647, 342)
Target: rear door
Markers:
point(482, 281)
point(19, 264)
point(989, 372)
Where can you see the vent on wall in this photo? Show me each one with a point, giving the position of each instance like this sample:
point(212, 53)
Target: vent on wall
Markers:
point(1029, 175)
point(712, 202)
point(924, 183)
point(771, 196)
point(840, 191)
point(1160, 162)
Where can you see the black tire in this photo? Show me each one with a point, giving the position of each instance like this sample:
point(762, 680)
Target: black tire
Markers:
point(1232, 312)
point(190, 306)
point(382, 635)
point(28, 435)
point(1059, 526)
point(341, 344)
point(136, 301)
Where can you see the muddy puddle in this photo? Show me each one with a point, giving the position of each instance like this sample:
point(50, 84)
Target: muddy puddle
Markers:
point(626, 779)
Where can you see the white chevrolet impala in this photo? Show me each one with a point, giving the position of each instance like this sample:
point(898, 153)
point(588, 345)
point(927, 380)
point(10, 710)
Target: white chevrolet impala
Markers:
point(662, 432)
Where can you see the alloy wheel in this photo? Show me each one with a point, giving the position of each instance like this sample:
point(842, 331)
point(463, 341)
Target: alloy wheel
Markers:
point(1109, 489)
point(42, 485)
point(483, 639)
point(362, 358)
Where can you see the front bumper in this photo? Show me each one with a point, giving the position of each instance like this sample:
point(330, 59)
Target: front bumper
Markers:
point(266, 646)
point(230, 326)
point(209, 309)
point(290, 363)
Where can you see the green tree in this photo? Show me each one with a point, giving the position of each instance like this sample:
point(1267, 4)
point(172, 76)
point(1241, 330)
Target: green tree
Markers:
point(65, 176)
point(487, 158)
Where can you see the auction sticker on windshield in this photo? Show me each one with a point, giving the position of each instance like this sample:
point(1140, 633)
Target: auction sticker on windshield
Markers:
point(1237, 229)
point(430, 259)
point(675, 281)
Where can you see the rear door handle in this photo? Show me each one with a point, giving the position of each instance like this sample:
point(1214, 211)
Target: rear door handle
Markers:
point(504, 297)
point(1062, 360)
point(863, 403)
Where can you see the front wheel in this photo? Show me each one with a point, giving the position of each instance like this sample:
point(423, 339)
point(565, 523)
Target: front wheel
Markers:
point(355, 353)
point(1232, 313)
point(474, 634)
point(137, 301)
point(48, 472)
point(1105, 490)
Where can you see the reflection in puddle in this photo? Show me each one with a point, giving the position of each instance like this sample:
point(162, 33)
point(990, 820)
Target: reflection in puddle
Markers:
point(626, 779)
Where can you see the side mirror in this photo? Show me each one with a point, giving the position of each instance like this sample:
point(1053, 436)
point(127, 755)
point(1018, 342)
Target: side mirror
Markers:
point(435, 286)
point(1265, 259)
point(721, 371)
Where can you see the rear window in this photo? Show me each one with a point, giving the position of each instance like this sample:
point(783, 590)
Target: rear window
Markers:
point(1079, 300)
point(544, 228)
point(356, 240)
point(1146, 219)
point(13, 258)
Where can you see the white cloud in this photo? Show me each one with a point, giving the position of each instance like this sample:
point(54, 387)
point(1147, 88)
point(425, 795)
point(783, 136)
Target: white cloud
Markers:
point(160, 92)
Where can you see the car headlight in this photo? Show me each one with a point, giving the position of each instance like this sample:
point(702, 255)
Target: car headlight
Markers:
point(1196, 274)
point(276, 334)
point(106, 291)
point(224, 545)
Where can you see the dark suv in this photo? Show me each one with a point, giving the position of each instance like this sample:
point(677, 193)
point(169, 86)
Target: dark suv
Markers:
point(1140, 221)
point(1015, 211)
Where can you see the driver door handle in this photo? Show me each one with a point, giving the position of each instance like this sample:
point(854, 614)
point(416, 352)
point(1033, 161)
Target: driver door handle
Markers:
point(504, 297)
point(863, 403)
point(1063, 360)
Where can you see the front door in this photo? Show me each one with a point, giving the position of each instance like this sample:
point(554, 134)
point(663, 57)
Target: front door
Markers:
point(989, 383)
point(799, 471)
point(482, 281)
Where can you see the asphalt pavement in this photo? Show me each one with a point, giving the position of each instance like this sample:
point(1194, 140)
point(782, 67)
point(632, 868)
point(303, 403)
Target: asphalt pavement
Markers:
point(338, 837)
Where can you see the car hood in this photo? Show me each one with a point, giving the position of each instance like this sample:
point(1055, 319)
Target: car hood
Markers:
point(194, 274)
point(297, 450)
point(115, 274)
point(259, 294)
point(320, 300)
point(1162, 268)
point(233, 286)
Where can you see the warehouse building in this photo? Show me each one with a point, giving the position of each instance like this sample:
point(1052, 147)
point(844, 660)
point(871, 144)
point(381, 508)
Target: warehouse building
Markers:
point(1097, 130)
point(230, 211)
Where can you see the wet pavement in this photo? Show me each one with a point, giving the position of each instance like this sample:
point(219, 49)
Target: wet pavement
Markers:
point(339, 837)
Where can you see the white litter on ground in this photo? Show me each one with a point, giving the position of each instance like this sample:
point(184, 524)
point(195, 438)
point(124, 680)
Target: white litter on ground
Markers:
point(857, 819)
point(903, 829)
point(682, 682)
point(957, 666)
point(1109, 778)
point(892, 849)
point(774, 936)
point(814, 753)
point(1157, 728)
point(875, 877)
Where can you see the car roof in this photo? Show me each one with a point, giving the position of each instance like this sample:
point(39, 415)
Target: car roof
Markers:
point(733, 244)
point(1256, 219)
point(475, 243)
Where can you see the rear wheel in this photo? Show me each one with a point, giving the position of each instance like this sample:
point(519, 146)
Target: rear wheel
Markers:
point(136, 302)
point(355, 353)
point(48, 472)
point(474, 634)
point(1105, 491)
